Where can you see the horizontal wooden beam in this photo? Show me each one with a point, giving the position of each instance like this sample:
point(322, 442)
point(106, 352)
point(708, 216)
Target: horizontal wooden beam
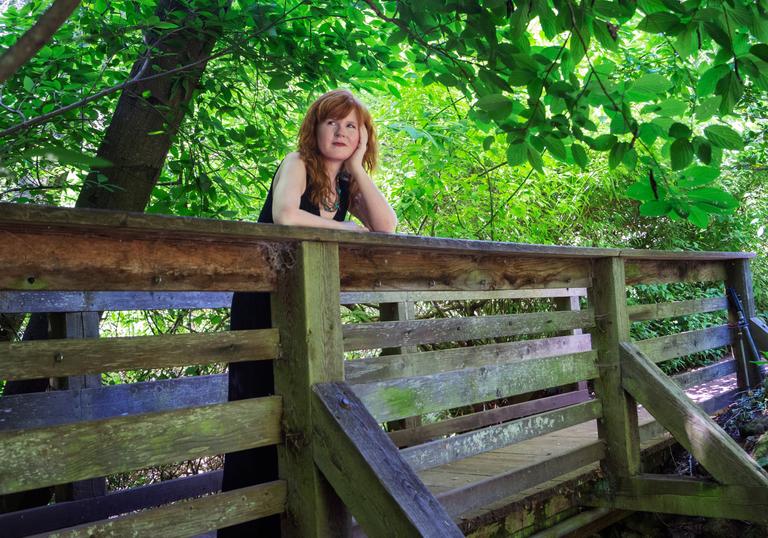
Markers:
point(642, 312)
point(669, 347)
point(43, 409)
point(61, 454)
point(104, 301)
point(358, 297)
point(427, 432)
point(705, 374)
point(65, 357)
point(690, 497)
point(407, 397)
point(66, 220)
point(759, 331)
point(190, 517)
point(402, 333)
point(71, 513)
point(367, 471)
point(690, 425)
point(479, 494)
point(431, 362)
point(443, 451)
point(47, 260)
point(649, 271)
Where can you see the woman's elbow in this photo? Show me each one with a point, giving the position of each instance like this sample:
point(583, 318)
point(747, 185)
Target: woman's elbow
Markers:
point(388, 225)
point(283, 217)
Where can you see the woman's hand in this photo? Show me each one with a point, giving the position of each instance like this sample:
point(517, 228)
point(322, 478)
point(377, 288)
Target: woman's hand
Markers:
point(355, 162)
point(350, 226)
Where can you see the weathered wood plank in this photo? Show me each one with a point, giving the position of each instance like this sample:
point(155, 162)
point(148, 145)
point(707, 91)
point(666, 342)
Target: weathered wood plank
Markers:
point(366, 268)
point(431, 362)
point(35, 458)
point(739, 277)
point(497, 415)
point(44, 260)
point(190, 517)
point(423, 331)
point(102, 301)
point(57, 219)
point(690, 426)
point(618, 427)
point(358, 297)
point(55, 358)
point(305, 308)
point(759, 331)
point(68, 514)
point(484, 492)
point(672, 346)
point(691, 497)
point(42, 409)
point(404, 311)
point(705, 374)
point(642, 312)
point(399, 398)
point(443, 451)
point(385, 495)
point(651, 271)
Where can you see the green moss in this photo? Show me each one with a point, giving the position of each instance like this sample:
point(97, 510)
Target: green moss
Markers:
point(403, 402)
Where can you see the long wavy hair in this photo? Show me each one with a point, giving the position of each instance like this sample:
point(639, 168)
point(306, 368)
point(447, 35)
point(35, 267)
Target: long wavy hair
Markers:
point(335, 104)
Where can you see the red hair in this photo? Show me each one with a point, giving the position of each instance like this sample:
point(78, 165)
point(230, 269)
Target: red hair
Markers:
point(336, 104)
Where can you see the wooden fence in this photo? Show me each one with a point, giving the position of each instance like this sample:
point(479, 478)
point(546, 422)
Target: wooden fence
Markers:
point(326, 416)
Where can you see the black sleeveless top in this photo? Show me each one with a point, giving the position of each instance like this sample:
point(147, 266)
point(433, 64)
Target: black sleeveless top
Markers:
point(306, 204)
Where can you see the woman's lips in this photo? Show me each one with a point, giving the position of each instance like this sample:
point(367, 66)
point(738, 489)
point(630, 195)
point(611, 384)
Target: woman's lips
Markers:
point(339, 144)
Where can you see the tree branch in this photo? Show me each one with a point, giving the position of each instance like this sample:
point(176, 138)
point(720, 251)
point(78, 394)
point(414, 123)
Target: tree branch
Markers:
point(34, 38)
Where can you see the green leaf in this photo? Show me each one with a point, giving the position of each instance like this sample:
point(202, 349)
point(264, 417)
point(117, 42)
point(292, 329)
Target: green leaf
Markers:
point(679, 130)
point(708, 81)
point(731, 89)
point(655, 208)
point(556, 148)
point(617, 154)
point(580, 155)
point(279, 81)
point(681, 153)
point(604, 142)
point(720, 36)
point(648, 87)
point(708, 107)
point(760, 50)
point(534, 157)
point(696, 176)
point(672, 108)
point(660, 23)
point(640, 190)
point(67, 157)
point(517, 153)
point(724, 137)
point(714, 196)
point(697, 217)
point(649, 132)
point(497, 105)
point(703, 149)
point(28, 84)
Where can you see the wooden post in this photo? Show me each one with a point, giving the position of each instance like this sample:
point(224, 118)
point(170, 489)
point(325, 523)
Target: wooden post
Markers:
point(305, 309)
point(572, 303)
point(618, 427)
point(403, 311)
point(77, 325)
point(739, 277)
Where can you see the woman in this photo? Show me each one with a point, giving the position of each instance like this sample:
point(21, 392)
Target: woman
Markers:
point(315, 186)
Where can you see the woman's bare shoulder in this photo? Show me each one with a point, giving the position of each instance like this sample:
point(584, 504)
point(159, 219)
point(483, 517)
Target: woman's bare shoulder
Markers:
point(292, 167)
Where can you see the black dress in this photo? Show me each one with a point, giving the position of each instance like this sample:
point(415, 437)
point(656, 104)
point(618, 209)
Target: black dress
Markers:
point(251, 310)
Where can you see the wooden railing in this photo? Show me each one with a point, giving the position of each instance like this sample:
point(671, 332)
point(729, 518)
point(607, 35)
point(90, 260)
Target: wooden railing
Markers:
point(326, 417)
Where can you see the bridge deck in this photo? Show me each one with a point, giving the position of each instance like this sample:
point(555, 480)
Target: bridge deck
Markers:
point(534, 465)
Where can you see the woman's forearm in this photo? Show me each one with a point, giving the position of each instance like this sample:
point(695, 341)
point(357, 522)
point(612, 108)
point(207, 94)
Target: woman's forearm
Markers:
point(299, 217)
point(379, 213)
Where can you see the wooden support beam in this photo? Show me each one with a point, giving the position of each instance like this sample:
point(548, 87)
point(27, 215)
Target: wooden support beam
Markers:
point(759, 330)
point(669, 271)
point(55, 358)
point(49, 456)
point(403, 333)
point(190, 517)
point(739, 277)
point(12, 302)
point(367, 471)
point(672, 346)
point(399, 398)
point(444, 360)
point(443, 451)
point(618, 427)
point(358, 297)
point(305, 309)
point(642, 312)
point(688, 496)
point(690, 426)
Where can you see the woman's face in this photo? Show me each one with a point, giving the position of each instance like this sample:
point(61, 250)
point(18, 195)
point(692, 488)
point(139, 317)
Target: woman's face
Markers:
point(337, 139)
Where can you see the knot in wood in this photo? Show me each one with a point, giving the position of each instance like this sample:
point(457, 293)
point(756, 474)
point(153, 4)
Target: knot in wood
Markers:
point(58, 357)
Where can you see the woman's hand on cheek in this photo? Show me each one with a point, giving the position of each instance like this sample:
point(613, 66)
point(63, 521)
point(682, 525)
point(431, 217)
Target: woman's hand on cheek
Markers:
point(355, 162)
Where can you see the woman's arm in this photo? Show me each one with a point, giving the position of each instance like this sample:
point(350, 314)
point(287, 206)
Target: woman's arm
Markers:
point(369, 205)
point(290, 183)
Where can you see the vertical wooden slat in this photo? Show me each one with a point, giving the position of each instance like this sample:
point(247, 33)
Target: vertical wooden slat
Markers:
point(618, 427)
point(402, 311)
point(572, 303)
point(739, 277)
point(305, 309)
point(77, 325)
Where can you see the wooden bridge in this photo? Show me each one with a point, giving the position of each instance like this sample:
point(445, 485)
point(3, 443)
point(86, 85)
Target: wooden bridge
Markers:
point(564, 462)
